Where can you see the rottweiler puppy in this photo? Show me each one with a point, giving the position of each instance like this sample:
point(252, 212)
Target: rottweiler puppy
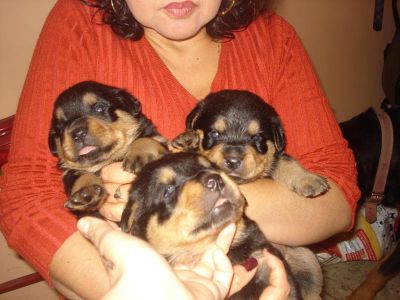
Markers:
point(179, 204)
point(92, 126)
point(243, 136)
point(363, 132)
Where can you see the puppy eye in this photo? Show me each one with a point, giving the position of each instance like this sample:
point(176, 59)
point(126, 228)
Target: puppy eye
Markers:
point(215, 134)
point(99, 107)
point(60, 125)
point(257, 138)
point(169, 190)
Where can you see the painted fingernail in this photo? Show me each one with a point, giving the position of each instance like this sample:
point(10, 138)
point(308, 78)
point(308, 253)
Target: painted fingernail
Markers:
point(250, 264)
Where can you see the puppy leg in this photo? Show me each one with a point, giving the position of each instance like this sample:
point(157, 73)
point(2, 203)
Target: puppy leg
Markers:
point(86, 191)
point(142, 151)
point(305, 270)
point(291, 173)
point(387, 268)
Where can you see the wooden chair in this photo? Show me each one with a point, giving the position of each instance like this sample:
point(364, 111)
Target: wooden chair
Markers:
point(5, 141)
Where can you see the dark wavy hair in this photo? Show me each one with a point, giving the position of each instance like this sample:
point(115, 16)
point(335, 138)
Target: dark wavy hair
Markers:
point(116, 13)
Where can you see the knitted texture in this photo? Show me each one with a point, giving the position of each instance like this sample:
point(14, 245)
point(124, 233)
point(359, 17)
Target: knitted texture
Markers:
point(267, 58)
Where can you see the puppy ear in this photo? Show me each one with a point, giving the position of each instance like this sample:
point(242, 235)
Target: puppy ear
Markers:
point(52, 137)
point(279, 136)
point(193, 115)
point(52, 142)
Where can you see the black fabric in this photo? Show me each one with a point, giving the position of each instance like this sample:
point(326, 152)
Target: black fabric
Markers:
point(391, 66)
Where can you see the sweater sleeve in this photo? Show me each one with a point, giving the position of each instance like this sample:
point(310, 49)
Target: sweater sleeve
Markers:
point(32, 216)
point(312, 132)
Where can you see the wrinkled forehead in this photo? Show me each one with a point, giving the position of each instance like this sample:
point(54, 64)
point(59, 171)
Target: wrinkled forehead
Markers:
point(182, 167)
point(75, 105)
point(172, 169)
point(223, 124)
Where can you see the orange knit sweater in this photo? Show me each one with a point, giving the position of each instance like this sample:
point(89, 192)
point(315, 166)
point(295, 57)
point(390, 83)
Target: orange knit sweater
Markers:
point(267, 58)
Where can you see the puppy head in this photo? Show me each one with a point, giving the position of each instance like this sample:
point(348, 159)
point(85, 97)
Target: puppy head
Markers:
point(92, 124)
point(179, 204)
point(237, 131)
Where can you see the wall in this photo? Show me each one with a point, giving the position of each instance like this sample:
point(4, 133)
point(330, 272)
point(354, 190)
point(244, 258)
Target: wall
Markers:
point(347, 53)
point(20, 24)
point(338, 35)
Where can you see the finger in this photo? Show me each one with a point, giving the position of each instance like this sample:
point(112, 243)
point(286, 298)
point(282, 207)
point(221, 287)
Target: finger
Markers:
point(113, 207)
point(104, 237)
point(112, 211)
point(279, 287)
point(113, 225)
point(115, 174)
point(199, 287)
point(93, 229)
point(225, 237)
point(223, 272)
point(223, 243)
point(242, 274)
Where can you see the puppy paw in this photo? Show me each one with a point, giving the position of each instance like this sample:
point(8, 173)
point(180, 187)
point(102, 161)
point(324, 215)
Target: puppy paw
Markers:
point(86, 199)
point(141, 152)
point(310, 185)
point(187, 141)
point(134, 163)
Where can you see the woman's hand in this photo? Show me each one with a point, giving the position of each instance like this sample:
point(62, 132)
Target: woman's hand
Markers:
point(135, 268)
point(117, 183)
point(279, 288)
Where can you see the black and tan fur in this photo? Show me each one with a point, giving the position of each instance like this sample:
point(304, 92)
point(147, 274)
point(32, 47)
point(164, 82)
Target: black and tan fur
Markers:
point(180, 202)
point(243, 136)
point(363, 132)
point(92, 126)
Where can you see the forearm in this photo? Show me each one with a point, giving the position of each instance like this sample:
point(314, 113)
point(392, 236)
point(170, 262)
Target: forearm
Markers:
point(287, 218)
point(77, 271)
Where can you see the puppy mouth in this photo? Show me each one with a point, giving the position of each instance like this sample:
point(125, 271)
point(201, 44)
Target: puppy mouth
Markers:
point(220, 206)
point(86, 150)
point(91, 153)
point(220, 202)
point(235, 176)
point(223, 212)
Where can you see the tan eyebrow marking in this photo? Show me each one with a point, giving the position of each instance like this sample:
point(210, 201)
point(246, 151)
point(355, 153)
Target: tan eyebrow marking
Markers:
point(220, 125)
point(89, 98)
point(253, 127)
point(60, 113)
point(167, 175)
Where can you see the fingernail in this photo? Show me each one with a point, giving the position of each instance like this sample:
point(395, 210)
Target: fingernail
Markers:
point(250, 264)
point(83, 226)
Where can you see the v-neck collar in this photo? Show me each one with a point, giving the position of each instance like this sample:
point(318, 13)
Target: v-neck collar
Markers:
point(216, 83)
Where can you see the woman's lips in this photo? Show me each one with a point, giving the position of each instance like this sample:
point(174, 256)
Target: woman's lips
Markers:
point(180, 9)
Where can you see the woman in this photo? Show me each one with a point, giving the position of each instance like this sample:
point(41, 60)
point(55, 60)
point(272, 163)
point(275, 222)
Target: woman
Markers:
point(169, 55)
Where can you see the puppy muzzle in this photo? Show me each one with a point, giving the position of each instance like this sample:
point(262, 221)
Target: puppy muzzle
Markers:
point(218, 199)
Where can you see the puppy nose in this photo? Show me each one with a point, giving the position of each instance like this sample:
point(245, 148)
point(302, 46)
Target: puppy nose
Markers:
point(233, 163)
point(213, 182)
point(79, 134)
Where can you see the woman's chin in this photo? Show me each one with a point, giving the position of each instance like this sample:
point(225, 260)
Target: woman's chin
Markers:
point(177, 33)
